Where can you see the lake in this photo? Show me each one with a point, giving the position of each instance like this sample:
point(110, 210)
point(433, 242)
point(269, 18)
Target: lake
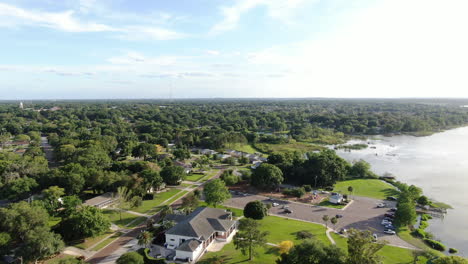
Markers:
point(438, 164)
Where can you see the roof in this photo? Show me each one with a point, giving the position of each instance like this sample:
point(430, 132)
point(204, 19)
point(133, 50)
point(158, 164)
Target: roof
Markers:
point(202, 223)
point(101, 199)
point(189, 245)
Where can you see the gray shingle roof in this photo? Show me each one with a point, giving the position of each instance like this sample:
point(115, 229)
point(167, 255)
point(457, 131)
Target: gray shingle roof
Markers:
point(202, 223)
point(189, 245)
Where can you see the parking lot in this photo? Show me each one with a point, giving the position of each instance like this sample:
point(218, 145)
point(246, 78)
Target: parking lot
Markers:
point(362, 214)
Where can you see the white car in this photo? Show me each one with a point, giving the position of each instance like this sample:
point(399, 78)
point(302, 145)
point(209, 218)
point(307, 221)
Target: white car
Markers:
point(380, 205)
point(389, 232)
point(275, 204)
point(385, 222)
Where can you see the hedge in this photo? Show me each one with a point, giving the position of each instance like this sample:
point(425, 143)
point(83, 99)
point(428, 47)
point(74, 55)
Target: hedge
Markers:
point(150, 260)
point(435, 244)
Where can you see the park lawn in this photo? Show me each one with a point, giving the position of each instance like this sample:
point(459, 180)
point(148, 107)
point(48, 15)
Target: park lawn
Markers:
point(171, 200)
point(281, 229)
point(147, 205)
point(114, 217)
point(287, 147)
point(138, 221)
point(53, 221)
point(326, 203)
point(57, 259)
point(405, 234)
point(91, 241)
point(194, 177)
point(390, 254)
point(247, 148)
point(106, 242)
point(233, 256)
point(372, 188)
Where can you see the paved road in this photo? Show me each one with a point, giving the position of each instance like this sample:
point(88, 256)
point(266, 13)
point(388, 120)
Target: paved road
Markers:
point(362, 214)
point(114, 250)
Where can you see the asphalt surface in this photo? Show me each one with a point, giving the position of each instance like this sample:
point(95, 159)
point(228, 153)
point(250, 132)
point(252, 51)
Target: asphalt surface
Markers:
point(361, 214)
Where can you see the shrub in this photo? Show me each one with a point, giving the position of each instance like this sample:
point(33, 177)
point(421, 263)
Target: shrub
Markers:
point(131, 258)
point(285, 246)
point(435, 244)
point(307, 188)
point(419, 233)
point(148, 259)
point(423, 225)
point(304, 234)
point(453, 250)
point(296, 192)
point(425, 217)
point(255, 210)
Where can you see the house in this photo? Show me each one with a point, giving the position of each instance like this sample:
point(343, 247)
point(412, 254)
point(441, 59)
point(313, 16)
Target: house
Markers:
point(256, 164)
point(187, 167)
point(193, 233)
point(336, 198)
point(207, 152)
point(101, 201)
point(222, 156)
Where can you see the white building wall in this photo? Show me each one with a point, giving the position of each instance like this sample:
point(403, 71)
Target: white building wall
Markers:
point(176, 240)
point(192, 255)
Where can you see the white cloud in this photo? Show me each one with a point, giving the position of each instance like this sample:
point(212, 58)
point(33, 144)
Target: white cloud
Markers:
point(213, 52)
point(278, 9)
point(395, 48)
point(68, 22)
point(11, 15)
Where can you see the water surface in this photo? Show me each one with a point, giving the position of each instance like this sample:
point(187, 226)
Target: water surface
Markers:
point(438, 164)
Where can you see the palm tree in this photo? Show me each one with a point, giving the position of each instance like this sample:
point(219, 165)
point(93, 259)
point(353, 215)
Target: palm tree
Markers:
point(145, 238)
point(325, 218)
point(122, 199)
point(165, 210)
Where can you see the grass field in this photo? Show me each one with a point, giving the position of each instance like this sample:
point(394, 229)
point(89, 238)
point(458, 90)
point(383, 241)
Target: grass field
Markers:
point(194, 177)
point(404, 233)
point(114, 217)
point(53, 221)
point(294, 146)
point(389, 254)
point(372, 188)
point(91, 241)
point(106, 242)
point(242, 147)
point(281, 229)
point(157, 201)
point(232, 256)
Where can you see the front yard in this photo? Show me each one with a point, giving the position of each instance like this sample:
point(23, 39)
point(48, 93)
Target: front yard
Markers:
point(147, 205)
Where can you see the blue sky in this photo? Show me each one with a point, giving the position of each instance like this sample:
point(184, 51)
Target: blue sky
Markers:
point(54, 49)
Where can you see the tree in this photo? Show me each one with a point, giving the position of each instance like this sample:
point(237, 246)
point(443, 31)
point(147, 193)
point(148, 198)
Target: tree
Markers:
point(405, 213)
point(350, 190)
point(361, 169)
point(190, 202)
point(40, 243)
point(145, 151)
point(152, 179)
point(215, 192)
point(20, 218)
point(131, 258)
point(267, 176)
point(165, 210)
point(313, 252)
point(325, 219)
point(173, 175)
point(145, 238)
point(423, 200)
point(19, 189)
point(51, 197)
point(87, 221)
point(285, 246)
point(255, 210)
point(450, 260)
point(5, 242)
point(70, 203)
point(362, 249)
point(249, 237)
point(334, 221)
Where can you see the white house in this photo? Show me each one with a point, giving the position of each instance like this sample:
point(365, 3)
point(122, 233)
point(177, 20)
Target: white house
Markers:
point(336, 198)
point(193, 233)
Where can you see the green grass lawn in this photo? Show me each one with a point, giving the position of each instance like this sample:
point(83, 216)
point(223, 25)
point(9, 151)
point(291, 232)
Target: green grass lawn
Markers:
point(57, 259)
point(232, 256)
point(405, 234)
point(194, 177)
point(53, 221)
point(389, 254)
point(91, 241)
point(372, 188)
point(287, 147)
point(106, 242)
point(157, 201)
point(237, 212)
point(326, 203)
point(114, 217)
point(242, 147)
point(281, 229)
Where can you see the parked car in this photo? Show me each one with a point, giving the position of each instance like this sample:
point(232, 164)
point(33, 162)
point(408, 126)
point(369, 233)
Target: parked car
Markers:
point(390, 226)
point(390, 215)
point(389, 232)
point(325, 192)
point(392, 198)
point(339, 216)
point(385, 222)
point(393, 209)
point(288, 211)
point(343, 231)
point(275, 204)
point(388, 218)
point(374, 236)
point(380, 205)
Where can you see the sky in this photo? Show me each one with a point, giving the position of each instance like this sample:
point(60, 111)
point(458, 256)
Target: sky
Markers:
point(109, 49)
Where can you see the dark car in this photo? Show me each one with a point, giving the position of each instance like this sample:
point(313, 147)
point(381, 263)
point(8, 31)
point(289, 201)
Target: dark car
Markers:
point(339, 216)
point(288, 211)
point(390, 215)
point(393, 209)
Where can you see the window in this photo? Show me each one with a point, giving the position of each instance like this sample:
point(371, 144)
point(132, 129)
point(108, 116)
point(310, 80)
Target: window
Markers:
point(172, 239)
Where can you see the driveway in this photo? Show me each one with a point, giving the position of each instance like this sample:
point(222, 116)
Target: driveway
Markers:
point(361, 214)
